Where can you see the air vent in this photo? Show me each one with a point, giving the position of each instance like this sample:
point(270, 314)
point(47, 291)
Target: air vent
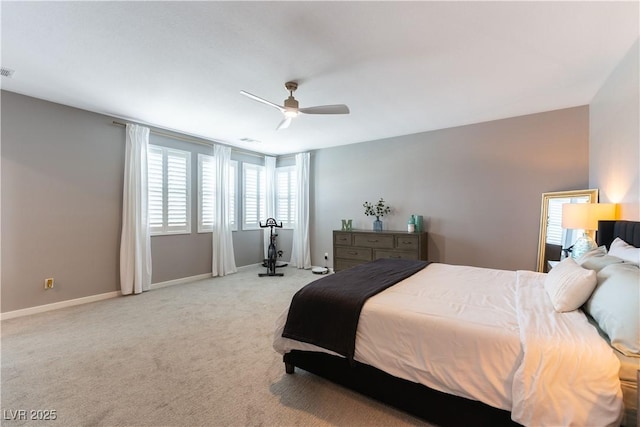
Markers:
point(250, 141)
point(6, 72)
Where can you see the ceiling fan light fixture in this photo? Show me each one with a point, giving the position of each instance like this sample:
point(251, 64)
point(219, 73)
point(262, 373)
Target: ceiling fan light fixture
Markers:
point(290, 113)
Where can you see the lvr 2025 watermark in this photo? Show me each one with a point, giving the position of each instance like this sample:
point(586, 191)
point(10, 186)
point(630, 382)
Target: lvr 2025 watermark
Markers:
point(29, 414)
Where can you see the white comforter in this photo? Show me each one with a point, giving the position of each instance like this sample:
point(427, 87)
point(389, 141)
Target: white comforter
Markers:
point(488, 335)
point(569, 374)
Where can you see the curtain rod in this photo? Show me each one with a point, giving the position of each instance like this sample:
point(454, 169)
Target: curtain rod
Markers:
point(195, 140)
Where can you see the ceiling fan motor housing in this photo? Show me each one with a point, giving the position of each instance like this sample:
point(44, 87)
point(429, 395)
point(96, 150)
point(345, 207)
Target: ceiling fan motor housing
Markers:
point(290, 107)
point(291, 102)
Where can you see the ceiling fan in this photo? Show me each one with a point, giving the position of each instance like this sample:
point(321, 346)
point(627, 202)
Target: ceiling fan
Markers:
point(291, 110)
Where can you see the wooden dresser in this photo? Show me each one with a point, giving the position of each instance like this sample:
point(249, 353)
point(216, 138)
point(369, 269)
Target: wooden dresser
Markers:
point(359, 246)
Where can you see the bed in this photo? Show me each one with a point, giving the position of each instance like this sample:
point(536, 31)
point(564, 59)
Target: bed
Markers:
point(475, 347)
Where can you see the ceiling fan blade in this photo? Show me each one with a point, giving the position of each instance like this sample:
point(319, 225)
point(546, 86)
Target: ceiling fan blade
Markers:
point(284, 123)
point(326, 109)
point(264, 101)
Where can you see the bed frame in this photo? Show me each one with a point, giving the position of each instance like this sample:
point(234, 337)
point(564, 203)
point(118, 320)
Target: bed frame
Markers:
point(431, 405)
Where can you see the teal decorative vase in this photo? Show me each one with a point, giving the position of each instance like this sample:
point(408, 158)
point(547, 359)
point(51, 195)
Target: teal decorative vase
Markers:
point(377, 225)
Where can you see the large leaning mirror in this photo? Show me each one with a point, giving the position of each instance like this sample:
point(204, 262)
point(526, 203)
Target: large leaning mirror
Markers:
point(553, 238)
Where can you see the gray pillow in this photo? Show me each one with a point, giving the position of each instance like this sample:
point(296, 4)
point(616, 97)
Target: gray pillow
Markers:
point(615, 305)
point(597, 259)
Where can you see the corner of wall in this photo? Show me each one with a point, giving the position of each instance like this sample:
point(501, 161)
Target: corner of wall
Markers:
point(614, 137)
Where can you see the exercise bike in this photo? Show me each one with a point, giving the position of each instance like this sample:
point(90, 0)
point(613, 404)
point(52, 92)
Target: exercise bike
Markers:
point(272, 253)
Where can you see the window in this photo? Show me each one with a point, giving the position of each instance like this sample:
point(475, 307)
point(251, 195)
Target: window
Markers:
point(169, 174)
point(556, 235)
point(207, 196)
point(253, 181)
point(286, 187)
point(554, 220)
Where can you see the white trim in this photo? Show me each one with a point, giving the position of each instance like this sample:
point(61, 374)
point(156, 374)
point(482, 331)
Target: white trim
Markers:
point(249, 266)
point(180, 281)
point(93, 298)
point(57, 305)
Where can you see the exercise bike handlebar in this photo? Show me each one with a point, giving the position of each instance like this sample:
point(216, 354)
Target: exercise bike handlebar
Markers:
point(270, 222)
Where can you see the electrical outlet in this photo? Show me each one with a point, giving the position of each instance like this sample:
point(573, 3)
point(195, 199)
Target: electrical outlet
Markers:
point(48, 283)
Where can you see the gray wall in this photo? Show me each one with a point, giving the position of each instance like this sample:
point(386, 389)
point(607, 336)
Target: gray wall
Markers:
point(478, 186)
point(61, 207)
point(614, 149)
point(61, 202)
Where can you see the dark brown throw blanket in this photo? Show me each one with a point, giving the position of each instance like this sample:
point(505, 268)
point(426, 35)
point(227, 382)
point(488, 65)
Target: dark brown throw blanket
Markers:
point(326, 312)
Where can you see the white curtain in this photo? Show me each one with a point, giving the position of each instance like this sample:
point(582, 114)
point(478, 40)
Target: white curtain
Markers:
point(270, 198)
point(301, 252)
point(223, 261)
point(135, 241)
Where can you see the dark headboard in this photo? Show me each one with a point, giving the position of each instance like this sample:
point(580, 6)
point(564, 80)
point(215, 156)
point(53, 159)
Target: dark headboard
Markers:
point(629, 231)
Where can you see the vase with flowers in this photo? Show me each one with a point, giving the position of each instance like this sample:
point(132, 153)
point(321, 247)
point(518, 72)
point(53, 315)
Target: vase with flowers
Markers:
point(378, 210)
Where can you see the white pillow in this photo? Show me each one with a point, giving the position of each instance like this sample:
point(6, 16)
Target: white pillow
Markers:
point(615, 305)
point(623, 250)
point(569, 285)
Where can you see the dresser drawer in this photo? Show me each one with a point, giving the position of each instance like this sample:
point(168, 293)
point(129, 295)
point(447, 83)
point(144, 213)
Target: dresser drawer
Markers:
point(407, 243)
point(343, 264)
point(373, 240)
point(394, 254)
point(343, 239)
point(354, 247)
point(363, 254)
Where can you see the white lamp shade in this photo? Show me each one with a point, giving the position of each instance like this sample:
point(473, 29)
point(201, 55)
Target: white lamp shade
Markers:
point(585, 216)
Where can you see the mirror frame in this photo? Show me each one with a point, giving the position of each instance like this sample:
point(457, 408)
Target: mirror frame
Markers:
point(544, 213)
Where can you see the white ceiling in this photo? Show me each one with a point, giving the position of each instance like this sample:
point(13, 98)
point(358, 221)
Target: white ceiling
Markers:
point(401, 67)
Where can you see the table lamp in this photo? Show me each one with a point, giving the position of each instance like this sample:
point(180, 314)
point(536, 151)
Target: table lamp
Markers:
point(585, 216)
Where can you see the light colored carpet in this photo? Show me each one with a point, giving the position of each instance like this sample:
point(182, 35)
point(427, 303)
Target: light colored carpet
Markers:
point(196, 354)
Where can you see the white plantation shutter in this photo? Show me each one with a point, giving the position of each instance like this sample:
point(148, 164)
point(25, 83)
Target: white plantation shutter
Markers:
point(554, 220)
point(178, 203)
point(155, 177)
point(233, 173)
point(207, 194)
point(254, 195)
point(286, 196)
point(169, 190)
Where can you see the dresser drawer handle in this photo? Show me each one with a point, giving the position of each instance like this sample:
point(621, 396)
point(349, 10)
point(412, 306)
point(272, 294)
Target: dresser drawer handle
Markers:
point(352, 253)
point(407, 243)
point(372, 241)
point(343, 239)
point(395, 256)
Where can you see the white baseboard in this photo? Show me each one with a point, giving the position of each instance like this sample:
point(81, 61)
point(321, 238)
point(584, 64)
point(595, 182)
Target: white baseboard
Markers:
point(58, 305)
point(180, 281)
point(93, 298)
point(250, 266)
